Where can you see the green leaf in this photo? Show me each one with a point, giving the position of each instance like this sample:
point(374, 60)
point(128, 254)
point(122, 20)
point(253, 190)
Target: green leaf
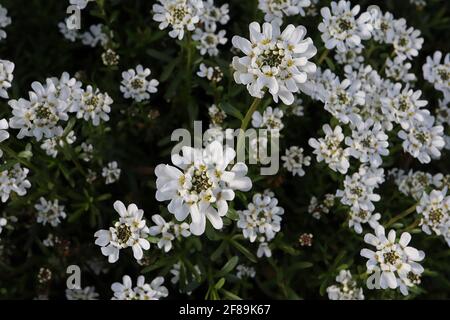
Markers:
point(219, 284)
point(250, 256)
point(229, 266)
point(230, 110)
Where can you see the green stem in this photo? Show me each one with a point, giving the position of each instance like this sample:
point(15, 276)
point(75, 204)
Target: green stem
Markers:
point(323, 56)
point(402, 215)
point(245, 121)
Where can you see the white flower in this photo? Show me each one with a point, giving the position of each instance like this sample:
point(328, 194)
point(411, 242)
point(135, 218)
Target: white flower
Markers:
point(135, 84)
point(423, 140)
point(274, 60)
point(341, 29)
point(41, 115)
point(87, 293)
point(383, 25)
point(346, 289)
point(394, 260)
point(111, 172)
point(81, 4)
point(14, 180)
point(275, 10)
point(358, 217)
point(443, 112)
point(352, 57)
point(168, 231)
point(212, 15)
point(245, 271)
point(343, 99)
point(297, 108)
point(216, 115)
point(87, 152)
point(438, 73)
point(263, 250)
point(368, 142)
point(202, 182)
point(6, 77)
point(358, 192)
point(4, 21)
point(129, 231)
point(180, 15)
point(329, 149)
point(270, 119)
point(404, 106)
point(95, 35)
point(142, 291)
point(398, 70)
point(294, 160)
point(3, 222)
point(93, 105)
point(49, 212)
point(70, 89)
point(406, 40)
point(262, 218)
point(414, 183)
point(210, 73)
point(51, 145)
point(208, 39)
point(434, 209)
point(4, 134)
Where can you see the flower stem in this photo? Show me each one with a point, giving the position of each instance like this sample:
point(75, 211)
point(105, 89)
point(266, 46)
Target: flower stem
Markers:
point(245, 121)
point(402, 215)
point(323, 56)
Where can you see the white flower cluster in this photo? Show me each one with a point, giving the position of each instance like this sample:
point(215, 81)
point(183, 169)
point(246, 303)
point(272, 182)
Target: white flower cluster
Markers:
point(274, 60)
point(49, 106)
point(49, 212)
point(5, 21)
point(111, 172)
point(434, 209)
point(341, 29)
point(130, 231)
point(14, 180)
point(169, 231)
point(359, 195)
point(317, 209)
point(275, 10)
point(414, 183)
point(245, 271)
point(86, 293)
point(406, 41)
point(135, 84)
point(6, 77)
point(142, 291)
point(51, 146)
point(206, 34)
point(270, 119)
point(180, 15)
point(438, 73)
point(294, 160)
point(211, 73)
point(395, 262)
point(261, 221)
point(203, 186)
point(346, 289)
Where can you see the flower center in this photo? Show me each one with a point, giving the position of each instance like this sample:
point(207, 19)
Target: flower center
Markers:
point(123, 233)
point(391, 257)
point(43, 112)
point(344, 24)
point(200, 181)
point(436, 215)
point(272, 57)
point(137, 84)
